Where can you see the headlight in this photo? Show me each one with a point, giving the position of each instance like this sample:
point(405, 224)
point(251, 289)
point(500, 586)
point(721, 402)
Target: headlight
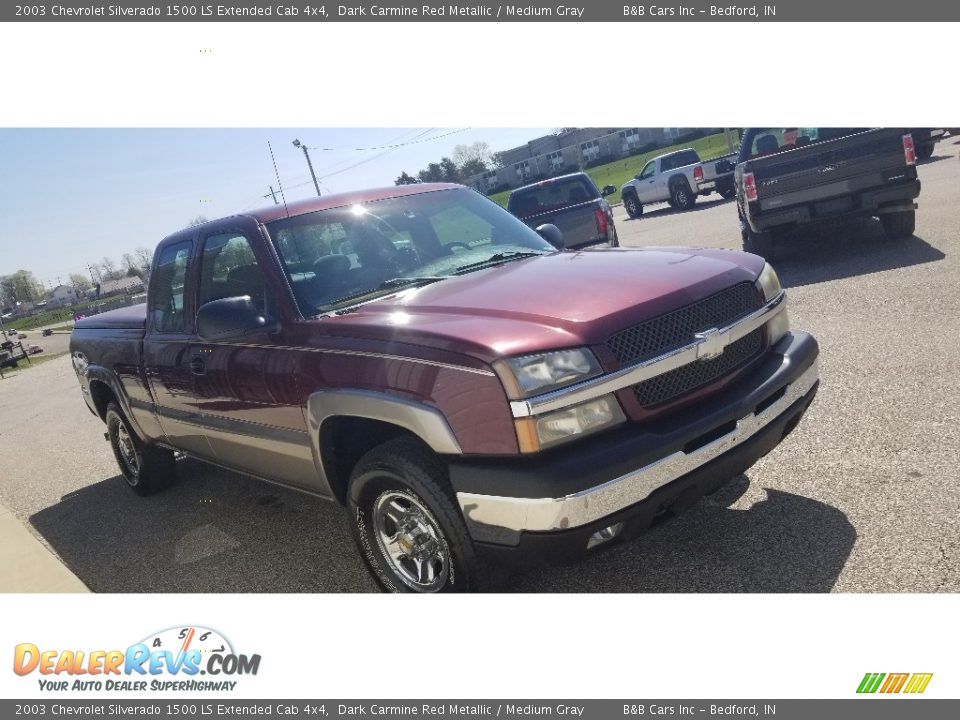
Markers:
point(533, 374)
point(539, 433)
point(769, 283)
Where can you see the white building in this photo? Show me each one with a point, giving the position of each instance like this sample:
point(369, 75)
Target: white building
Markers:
point(62, 295)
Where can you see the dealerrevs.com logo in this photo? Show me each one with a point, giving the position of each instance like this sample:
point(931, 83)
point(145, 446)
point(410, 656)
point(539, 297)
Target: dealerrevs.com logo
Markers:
point(178, 659)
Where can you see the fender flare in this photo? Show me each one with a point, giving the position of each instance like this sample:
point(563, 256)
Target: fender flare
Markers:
point(98, 373)
point(423, 421)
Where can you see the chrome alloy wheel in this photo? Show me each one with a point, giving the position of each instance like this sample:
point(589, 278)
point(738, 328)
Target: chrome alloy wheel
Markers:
point(411, 541)
point(127, 451)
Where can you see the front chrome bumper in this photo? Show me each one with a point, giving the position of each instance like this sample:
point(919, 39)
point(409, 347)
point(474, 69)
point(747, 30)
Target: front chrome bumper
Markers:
point(513, 515)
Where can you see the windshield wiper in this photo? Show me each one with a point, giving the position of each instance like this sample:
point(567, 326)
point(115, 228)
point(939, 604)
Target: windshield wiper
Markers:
point(498, 258)
point(392, 283)
point(405, 281)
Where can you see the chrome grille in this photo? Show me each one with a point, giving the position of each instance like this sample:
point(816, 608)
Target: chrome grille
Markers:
point(675, 329)
point(689, 377)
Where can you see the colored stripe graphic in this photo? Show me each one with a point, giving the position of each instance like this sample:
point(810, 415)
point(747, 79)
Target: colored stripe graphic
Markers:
point(870, 682)
point(918, 683)
point(894, 683)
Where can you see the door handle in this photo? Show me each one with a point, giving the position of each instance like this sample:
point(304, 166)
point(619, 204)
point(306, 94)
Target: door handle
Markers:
point(198, 366)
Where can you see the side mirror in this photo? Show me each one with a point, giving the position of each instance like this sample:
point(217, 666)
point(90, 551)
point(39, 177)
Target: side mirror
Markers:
point(608, 190)
point(552, 234)
point(229, 318)
point(637, 176)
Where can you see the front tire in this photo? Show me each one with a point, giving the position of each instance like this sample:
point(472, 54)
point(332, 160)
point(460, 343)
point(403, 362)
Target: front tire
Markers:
point(899, 225)
point(146, 468)
point(407, 525)
point(633, 206)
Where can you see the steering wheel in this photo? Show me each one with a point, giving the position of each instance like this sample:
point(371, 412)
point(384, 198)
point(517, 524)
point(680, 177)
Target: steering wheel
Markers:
point(456, 246)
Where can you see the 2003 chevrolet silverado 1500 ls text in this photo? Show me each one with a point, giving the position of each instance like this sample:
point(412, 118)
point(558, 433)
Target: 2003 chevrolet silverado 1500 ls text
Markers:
point(471, 394)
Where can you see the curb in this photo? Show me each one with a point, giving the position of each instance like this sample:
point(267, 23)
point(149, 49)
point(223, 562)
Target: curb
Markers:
point(29, 566)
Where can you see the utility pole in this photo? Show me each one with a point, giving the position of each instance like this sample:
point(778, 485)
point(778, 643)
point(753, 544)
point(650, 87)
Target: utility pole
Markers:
point(298, 144)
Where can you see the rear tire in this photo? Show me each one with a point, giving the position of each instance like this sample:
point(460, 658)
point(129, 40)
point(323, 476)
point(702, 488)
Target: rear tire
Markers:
point(146, 468)
point(683, 197)
point(900, 224)
point(633, 206)
point(728, 193)
point(407, 524)
point(925, 151)
point(759, 243)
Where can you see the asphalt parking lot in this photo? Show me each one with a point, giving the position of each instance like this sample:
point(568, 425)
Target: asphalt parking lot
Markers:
point(863, 497)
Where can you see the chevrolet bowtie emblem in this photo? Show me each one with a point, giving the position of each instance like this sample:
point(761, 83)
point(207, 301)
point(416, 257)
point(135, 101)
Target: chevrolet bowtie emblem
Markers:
point(711, 345)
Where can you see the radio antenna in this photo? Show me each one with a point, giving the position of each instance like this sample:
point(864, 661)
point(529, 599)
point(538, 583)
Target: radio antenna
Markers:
point(277, 173)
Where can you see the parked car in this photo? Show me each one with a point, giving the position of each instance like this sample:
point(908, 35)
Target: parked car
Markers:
point(789, 178)
point(572, 203)
point(473, 396)
point(678, 178)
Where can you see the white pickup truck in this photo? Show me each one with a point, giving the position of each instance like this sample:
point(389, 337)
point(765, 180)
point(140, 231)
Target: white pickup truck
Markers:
point(678, 178)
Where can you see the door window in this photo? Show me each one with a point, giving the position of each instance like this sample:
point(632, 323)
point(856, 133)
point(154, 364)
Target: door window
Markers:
point(229, 269)
point(648, 170)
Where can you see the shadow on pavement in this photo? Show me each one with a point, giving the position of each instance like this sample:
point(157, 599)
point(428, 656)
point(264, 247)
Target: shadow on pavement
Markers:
point(214, 531)
point(787, 543)
point(856, 248)
point(664, 209)
point(933, 159)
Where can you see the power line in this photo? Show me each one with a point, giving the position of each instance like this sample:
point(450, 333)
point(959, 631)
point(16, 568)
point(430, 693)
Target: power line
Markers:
point(391, 147)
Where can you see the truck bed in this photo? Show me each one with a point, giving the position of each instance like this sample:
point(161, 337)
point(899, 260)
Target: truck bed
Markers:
point(127, 318)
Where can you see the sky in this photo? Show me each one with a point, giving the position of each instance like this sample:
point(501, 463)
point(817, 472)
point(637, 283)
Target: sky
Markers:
point(69, 197)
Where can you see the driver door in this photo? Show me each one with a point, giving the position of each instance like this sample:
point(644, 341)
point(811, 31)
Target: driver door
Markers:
point(246, 387)
point(647, 183)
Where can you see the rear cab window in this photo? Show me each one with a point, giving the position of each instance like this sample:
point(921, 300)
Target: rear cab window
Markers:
point(167, 310)
point(551, 195)
point(679, 159)
point(767, 141)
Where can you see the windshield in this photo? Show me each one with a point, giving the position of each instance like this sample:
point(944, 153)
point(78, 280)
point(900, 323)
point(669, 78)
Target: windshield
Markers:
point(342, 256)
point(551, 195)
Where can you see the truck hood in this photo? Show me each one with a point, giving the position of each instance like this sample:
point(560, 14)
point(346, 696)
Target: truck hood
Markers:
point(554, 301)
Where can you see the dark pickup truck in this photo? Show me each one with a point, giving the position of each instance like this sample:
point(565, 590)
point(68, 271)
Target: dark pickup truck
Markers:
point(791, 177)
point(472, 395)
point(573, 204)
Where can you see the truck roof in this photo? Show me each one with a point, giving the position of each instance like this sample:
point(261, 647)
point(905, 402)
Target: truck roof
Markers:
point(550, 181)
point(674, 152)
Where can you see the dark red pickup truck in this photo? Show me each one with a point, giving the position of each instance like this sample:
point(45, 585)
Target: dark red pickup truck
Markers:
point(471, 394)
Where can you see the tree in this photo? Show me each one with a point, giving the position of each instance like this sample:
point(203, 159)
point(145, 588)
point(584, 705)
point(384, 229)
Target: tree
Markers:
point(144, 257)
point(475, 152)
point(133, 268)
point(80, 283)
point(432, 173)
point(108, 269)
point(198, 220)
point(472, 168)
point(405, 179)
point(450, 171)
point(22, 286)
